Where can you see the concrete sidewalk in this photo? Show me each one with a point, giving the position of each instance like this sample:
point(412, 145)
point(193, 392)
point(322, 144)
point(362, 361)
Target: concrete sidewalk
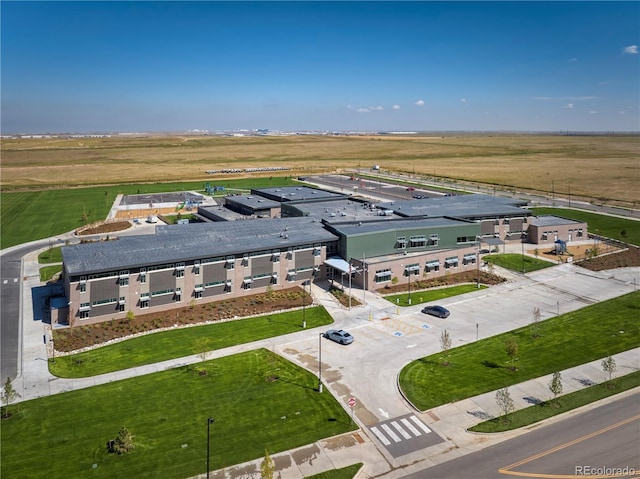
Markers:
point(449, 421)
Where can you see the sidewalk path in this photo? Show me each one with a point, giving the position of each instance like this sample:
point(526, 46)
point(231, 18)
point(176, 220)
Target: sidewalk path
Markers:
point(449, 421)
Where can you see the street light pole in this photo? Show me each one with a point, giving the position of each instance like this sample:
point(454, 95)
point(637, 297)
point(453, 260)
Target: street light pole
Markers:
point(409, 284)
point(320, 362)
point(304, 303)
point(349, 285)
point(210, 421)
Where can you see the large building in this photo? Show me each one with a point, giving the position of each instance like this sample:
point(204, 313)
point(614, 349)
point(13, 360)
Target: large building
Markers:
point(324, 235)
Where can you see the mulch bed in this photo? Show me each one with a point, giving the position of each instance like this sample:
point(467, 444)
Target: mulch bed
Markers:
point(73, 339)
point(446, 280)
point(622, 259)
point(106, 228)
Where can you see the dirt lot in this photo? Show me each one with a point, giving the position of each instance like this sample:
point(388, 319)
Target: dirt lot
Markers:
point(608, 256)
point(105, 228)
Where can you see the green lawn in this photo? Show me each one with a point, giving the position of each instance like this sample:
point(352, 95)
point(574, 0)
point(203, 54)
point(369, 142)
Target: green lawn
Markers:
point(348, 472)
point(607, 328)
point(31, 215)
point(51, 255)
point(176, 343)
point(419, 297)
point(547, 409)
point(609, 226)
point(47, 272)
point(517, 262)
point(258, 400)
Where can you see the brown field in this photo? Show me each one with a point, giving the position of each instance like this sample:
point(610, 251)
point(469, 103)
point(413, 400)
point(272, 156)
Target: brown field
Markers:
point(597, 168)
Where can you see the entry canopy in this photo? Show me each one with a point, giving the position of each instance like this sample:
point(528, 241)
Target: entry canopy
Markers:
point(492, 241)
point(340, 264)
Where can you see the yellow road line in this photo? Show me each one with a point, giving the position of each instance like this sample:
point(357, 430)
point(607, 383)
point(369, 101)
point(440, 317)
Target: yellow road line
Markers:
point(506, 470)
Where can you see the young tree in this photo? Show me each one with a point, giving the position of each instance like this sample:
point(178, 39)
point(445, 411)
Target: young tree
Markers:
point(8, 395)
point(445, 344)
point(123, 442)
point(609, 367)
point(131, 315)
point(512, 351)
point(535, 323)
point(505, 403)
point(267, 466)
point(201, 347)
point(555, 386)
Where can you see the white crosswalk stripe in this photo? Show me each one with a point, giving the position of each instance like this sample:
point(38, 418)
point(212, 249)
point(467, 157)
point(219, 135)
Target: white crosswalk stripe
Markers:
point(410, 426)
point(420, 424)
point(401, 430)
point(390, 432)
point(382, 437)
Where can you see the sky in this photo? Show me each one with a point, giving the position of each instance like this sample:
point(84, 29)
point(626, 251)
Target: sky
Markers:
point(331, 66)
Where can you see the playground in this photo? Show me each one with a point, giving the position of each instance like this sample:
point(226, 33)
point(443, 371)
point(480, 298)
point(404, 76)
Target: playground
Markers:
point(141, 206)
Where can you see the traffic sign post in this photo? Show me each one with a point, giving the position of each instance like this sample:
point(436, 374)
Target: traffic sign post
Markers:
point(352, 404)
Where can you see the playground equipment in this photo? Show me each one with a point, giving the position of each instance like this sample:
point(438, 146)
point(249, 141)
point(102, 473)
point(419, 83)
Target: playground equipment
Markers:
point(561, 247)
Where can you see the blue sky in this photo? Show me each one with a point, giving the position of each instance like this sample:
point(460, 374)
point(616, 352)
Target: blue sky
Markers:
point(169, 66)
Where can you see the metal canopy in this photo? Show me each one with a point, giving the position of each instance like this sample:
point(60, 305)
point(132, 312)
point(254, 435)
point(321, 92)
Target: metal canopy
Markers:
point(492, 241)
point(339, 264)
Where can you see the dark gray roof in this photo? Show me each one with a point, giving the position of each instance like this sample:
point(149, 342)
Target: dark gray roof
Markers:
point(462, 206)
point(252, 201)
point(343, 209)
point(185, 242)
point(552, 221)
point(293, 193)
point(365, 227)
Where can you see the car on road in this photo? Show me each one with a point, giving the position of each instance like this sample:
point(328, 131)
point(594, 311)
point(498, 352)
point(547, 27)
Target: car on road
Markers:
point(418, 197)
point(339, 336)
point(410, 188)
point(437, 311)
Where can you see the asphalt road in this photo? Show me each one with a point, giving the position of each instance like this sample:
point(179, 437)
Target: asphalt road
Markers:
point(607, 437)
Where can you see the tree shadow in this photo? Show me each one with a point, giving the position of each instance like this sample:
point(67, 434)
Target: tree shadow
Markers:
point(585, 382)
point(533, 400)
point(480, 415)
point(491, 364)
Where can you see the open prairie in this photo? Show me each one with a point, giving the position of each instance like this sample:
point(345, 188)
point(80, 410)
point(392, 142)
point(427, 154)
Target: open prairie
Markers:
point(599, 168)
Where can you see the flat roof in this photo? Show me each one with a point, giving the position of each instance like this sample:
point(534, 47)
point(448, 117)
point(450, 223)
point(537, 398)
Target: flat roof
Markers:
point(155, 198)
point(338, 209)
point(252, 201)
point(462, 206)
point(550, 220)
point(175, 243)
point(292, 193)
point(364, 227)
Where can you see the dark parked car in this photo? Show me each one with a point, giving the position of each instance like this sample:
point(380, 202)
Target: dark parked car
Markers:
point(418, 197)
point(437, 311)
point(339, 336)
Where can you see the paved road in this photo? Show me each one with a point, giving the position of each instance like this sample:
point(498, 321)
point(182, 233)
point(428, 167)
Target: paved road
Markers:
point(605, 437)
point(10, 312)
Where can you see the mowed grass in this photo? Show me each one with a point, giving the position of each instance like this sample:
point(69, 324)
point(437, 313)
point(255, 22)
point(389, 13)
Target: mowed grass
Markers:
point(567, 402)
point(47, 272)
point(31, 215)
point(348, 472)
point(258, 400)
point(517, 262)
point(51, 255)
point(603, 225)
point(565, 341)
point(419, 297)
point(176, 343)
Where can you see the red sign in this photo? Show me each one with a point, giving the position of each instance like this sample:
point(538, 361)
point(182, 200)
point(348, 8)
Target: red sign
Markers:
point(351, 402)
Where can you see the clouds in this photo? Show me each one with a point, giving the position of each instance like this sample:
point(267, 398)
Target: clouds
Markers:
point(420, 103)
point(630, 50)
point(395, 107)
point(365, 109)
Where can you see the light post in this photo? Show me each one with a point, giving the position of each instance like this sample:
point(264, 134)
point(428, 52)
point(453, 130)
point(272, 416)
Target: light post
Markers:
point(522, 257)
point(210, 421)
point(350, 272)
point(479, 239)
point(304, 303)
point(409, 285)
point(320, 362)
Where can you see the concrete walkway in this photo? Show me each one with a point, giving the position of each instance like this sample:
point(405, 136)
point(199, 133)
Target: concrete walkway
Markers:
point(450, 421)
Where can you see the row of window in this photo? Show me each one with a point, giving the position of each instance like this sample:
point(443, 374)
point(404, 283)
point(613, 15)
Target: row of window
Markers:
point(384, 275)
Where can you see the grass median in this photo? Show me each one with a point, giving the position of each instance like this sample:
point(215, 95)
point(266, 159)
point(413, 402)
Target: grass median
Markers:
point(176, 343)
point(419, 297)
point(517, 262)
point(547, 409)
point(558, 343)
point(258, 400)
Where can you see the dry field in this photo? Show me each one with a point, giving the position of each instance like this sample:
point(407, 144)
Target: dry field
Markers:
point(600, 168)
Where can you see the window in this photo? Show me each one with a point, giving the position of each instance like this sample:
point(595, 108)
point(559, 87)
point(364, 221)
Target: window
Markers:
point(383, 276)
point(178, 294)
point(245, 261)
point(412, 269)
point(291, 275)
point(144, 295)
point(275, 257)
point(83, 287)
point(144, 303)
point(100, 302)
point(433, 240)
point(469, 259)
point(124, 281)
point(85, 306)
point(246, 283)
point(230, 262)
point(317, 250)
point(84, 314)
point(419, 241)
point(197, 294)
point(121, 308)
point(466, 239)
point(432, 266)
point(274, 278)
point(162, 292)
point(180, 273)
point(143, 277)
point(196, 267)
point(401, 242)
point(451, 262)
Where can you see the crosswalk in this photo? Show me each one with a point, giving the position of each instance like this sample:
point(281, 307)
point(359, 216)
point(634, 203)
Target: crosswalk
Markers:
point(404, 434)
